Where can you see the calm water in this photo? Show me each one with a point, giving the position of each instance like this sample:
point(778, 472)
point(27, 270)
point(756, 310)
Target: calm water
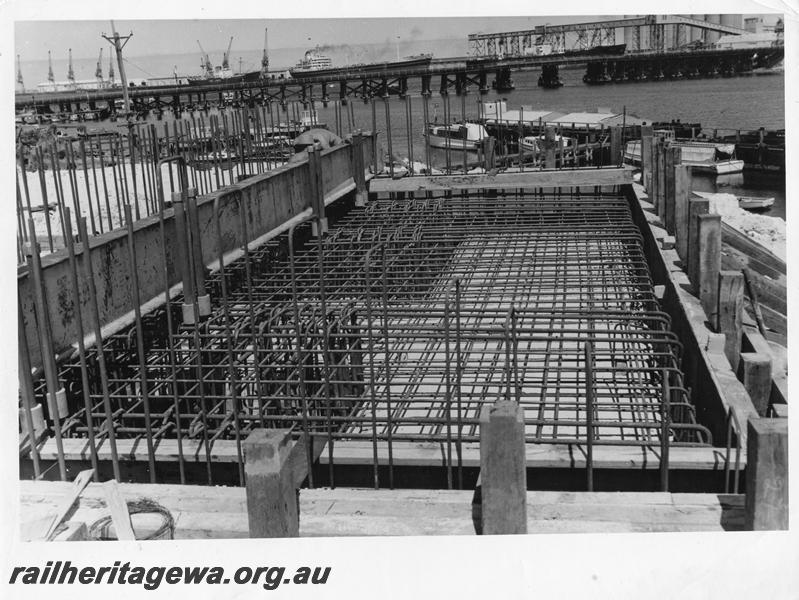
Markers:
point(746, 102)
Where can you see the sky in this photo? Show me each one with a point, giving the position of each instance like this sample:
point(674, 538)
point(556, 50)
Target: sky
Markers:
point(346, 40)
point(34, 38)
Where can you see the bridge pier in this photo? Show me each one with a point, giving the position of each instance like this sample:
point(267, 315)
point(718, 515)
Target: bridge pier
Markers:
point(503, 82)
point(483, 78)
point(550, 77)
point(426, 85)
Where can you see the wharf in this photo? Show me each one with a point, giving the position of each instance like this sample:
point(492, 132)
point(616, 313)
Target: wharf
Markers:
point(201, 512)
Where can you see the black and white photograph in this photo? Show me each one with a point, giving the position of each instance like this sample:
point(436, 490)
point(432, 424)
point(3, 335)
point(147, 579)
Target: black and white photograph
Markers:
point(436, 288)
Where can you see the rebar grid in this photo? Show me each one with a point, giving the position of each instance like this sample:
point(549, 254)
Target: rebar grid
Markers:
point(415, 315)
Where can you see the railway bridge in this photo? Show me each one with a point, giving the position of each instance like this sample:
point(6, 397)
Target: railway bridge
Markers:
point(444, 76)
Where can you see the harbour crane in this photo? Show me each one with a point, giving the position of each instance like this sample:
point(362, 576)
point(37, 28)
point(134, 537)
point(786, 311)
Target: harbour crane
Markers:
point(265, 57)
point(226, 56)
point(99, 71)
point(206, 61)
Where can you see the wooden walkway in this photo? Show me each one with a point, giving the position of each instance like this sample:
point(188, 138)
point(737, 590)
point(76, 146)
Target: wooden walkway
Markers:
point(220, 512)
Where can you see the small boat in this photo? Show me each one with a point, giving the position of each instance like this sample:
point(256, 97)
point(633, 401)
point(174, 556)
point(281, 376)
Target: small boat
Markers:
point(707, 157)
point(755, 203)
point(457, 136)
point(535, 143)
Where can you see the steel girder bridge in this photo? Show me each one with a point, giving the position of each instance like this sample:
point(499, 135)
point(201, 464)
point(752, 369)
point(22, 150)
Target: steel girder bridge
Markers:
point(454, 75)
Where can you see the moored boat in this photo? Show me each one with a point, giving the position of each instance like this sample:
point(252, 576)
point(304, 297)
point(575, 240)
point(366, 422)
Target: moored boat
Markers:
point(456, 136)
point(707, 157)
point(535, 143)
point(755, 202)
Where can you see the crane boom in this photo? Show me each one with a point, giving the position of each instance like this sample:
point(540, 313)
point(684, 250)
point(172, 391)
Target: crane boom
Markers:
point(226, 55)
point(209, 69)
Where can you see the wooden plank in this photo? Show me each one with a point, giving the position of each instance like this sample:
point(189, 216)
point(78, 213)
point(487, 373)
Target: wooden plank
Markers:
point(80, 482)
point(730, 314)
point(767, 475)
point(757, 252)
point(537, 455)
point(528, 179)
point(420, 454)
point(76, 531)
point(119, 511)
point(203, 512)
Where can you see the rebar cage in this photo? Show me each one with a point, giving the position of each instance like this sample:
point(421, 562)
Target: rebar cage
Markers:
point(399, 326)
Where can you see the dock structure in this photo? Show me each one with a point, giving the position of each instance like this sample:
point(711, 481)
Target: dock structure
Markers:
point(656, 49)
point(506, 341)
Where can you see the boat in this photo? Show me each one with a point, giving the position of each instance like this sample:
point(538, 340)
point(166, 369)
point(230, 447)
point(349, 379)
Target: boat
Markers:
point(535, 143)
point(312, 61)
point(456, 136)
point(420, 60)
point(755, 203)
point(706, 157)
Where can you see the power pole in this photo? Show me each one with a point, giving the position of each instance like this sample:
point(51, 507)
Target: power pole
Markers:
point(20, 83)
point(71, 71)
point(265, 57)
point(118, 44)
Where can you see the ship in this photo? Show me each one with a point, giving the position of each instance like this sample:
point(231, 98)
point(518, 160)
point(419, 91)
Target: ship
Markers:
point(421, 60)
point(313, 61)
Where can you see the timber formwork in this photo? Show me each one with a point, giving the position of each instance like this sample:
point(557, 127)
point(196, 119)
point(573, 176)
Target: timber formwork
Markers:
point(395, 329)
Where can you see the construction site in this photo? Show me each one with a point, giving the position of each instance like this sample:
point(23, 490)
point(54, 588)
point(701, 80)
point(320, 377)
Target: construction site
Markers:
point(253, 343)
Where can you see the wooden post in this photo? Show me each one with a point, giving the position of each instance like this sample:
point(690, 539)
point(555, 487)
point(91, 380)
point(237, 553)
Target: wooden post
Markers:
point(673, 157)
point(272, 504)
point(730, 313)
point(661, 177)
point(667, 212)
point(696, 207)
point(709, 263)
point(358, 176)
point(754, 371)
point(766, 475)
point(646, 154)
point(503, 469)
point(654, 194)
point(549, 147)
point(488, 152)
point(616, 149)
point(317, 193)
point(682, 193)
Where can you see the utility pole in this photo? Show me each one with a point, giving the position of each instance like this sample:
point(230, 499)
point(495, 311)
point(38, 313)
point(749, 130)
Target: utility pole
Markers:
point(118, 44)
point(71, 71)
point(265, 57)
point(20, 83)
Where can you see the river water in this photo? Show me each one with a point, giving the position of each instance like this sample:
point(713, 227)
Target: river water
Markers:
point(744, 102)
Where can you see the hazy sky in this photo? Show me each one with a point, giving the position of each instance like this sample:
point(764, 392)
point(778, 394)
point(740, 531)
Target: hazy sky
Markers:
point(34, 38)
